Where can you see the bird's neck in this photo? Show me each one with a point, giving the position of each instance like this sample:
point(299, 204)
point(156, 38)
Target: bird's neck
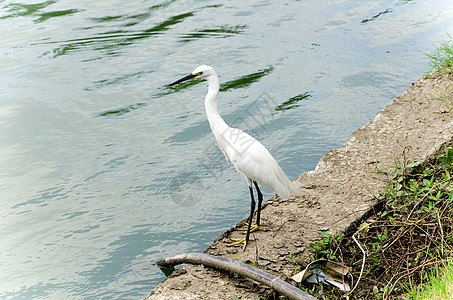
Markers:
point(218, 125)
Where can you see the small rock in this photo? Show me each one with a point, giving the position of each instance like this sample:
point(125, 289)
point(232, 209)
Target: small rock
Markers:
point(232, 250)
point(300, 250)
point(279, 245)
point(267, 258)
point(198, 275)
point(263, 263)
point(298, 244)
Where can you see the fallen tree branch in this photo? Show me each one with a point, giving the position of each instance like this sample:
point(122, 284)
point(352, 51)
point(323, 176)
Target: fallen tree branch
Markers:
point(244, 270)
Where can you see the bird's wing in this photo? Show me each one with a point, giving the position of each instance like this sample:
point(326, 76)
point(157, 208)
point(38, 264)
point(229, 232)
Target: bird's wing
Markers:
point(253, 160)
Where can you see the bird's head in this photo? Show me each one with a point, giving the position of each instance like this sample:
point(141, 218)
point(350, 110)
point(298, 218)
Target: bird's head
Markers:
point(202, 71)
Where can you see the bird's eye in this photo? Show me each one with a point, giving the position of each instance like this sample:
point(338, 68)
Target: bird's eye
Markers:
point(198, 74)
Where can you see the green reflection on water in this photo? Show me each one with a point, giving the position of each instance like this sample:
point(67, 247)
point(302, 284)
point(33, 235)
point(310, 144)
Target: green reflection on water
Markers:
point(23, 10)
point(292, 102)
point(377, 15)
point(135, 19)
point(122, 111)
point(45, 16)
point(245, 80)
point(220, 32)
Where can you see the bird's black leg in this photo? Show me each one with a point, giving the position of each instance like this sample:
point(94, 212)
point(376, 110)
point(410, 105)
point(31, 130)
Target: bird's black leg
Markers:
point(250, 228)
point(260, 200)
point(252, 209)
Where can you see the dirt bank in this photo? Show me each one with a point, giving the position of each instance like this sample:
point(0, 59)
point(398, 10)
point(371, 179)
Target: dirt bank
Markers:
point(338, 193)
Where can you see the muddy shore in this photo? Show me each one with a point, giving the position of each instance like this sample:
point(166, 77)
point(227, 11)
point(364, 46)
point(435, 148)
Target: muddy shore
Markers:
point(337, 194)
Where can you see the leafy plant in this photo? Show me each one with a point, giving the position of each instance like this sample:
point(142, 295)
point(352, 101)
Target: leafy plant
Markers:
point(448, 158)
point(327, 247)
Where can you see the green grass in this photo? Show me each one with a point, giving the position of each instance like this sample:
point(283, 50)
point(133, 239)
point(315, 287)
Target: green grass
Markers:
point(445, 97)
point(439, 286)
point(442, 57)
point(441, 60)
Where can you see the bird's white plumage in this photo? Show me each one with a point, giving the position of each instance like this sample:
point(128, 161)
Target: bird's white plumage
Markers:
point(247, 154)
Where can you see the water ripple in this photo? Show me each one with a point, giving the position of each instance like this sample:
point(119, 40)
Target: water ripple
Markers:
point(109, 39)
point(132, 19)
point(224, 31)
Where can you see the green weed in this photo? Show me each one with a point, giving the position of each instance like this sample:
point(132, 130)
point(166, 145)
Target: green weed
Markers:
point(327, 247)
point(439, 285)
point(442, 57)
point(445, 97)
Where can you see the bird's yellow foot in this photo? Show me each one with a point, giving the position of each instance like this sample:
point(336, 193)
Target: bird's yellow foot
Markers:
point(238, 242)
point(253, 228)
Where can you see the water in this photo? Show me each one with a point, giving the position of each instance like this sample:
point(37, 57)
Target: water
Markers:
point(105, 170)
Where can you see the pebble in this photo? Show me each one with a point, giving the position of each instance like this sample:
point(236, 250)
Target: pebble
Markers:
point(298, 244)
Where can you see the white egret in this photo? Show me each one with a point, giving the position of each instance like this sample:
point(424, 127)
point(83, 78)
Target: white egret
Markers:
point(247, 154)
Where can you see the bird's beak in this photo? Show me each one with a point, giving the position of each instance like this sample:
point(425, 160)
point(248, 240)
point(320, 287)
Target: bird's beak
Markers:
point(190, 76)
